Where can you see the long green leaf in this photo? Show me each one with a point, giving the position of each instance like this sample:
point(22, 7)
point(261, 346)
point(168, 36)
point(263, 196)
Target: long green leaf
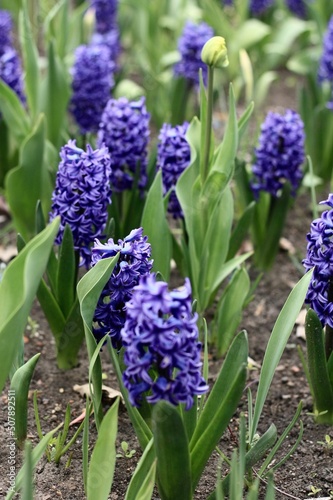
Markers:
point(67, 270)
point(172, 453)
point(17, 292)
point(145, 471)
point(89, 290)
point(156, 228)
point(27, 487)
point(13, 112)
point(276, 344)
point(103, 457)
point(220, 406)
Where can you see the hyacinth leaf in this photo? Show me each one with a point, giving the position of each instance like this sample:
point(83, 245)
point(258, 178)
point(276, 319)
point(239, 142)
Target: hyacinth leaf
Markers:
point(13, 112)
point(27, 492)
point(252, 33)
point(230, 309)
point(156, 228)
point(262, 87)
point(103, 457)
point(172, 453)
point(276, 344)
point(30, 58)
point(143, 479)
point(220, 406)
point(66, 273)
point(142, 430)
point(241, 230)
point(224, 157)
point(89, 290)
point(31, 172)
point(56, 94)
point(16, 301)
point(20, 384)
point(4, 152)
point(70, 339)
point(319, 376)
point(36, 455)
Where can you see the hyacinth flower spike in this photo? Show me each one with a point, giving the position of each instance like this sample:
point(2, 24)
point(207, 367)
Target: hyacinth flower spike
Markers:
point(320, 316)
point(277, 174)
point(81, 198)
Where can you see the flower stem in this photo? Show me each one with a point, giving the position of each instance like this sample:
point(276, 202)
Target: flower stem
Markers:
point(209, 116)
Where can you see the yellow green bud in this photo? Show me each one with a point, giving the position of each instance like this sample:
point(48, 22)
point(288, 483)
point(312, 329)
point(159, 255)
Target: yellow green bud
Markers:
point(214, 53)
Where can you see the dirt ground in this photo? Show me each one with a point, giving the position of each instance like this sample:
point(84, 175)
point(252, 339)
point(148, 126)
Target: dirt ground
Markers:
point(308, 473)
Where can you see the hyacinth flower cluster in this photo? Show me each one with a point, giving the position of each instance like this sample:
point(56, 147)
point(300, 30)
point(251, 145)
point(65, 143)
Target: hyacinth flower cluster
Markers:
point(280, 154)
point(124, 129)
point(107, 31)
point(173, 156)
point(91, 85)
point(10, 64)
point(298, 7)
point(320, 257)
point(258, 7)
point(134, 262)
point(162, 352)
point(190, 44)
point(325, 71)
point(81, 196)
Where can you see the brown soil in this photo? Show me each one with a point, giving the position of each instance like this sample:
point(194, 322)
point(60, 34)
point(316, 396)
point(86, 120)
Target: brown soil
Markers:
point(311, 463)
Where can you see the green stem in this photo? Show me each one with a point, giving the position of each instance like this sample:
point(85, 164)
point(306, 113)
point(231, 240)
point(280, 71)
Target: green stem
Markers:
point(209, 115)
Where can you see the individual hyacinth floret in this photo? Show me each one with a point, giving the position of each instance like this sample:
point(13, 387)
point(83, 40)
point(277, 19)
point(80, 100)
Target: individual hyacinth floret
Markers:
point(92, 82)
point(325, 71)
point(173, 156)
point(81, 196)
point(111, 40)
point(259, 6)
point(280, 154)
point(320, 257)
point(6, 26)
point(134, 261)
point(190, 44)
point(124, 129)
point(106, 14)
point(162, 352)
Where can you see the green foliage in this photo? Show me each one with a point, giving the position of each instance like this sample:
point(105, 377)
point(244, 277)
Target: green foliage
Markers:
point(26, 269)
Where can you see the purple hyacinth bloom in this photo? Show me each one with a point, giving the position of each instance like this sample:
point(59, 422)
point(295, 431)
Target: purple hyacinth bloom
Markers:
point(111, 40)
point(325, 71)
point(173, 156)
point(6, 26)
point(190, 45)
point(259, 6)
point(92, 83)
point(280, 154)
point(11, 71)
point(134, 261)
point(320, 257)
point(162, 352)
point(297, 7)
point(106, 14)
point(82, 194)
point(124, 129)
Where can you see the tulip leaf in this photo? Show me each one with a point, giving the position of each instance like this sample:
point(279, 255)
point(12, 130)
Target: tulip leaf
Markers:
point(18, 288)
point(142, 482)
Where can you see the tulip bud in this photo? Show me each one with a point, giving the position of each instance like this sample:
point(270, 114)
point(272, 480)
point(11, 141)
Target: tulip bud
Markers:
point(214, 52)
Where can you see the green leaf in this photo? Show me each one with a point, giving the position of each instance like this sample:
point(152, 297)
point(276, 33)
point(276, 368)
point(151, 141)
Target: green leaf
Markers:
point(230, 309)
point(13, 112)
point(241, 230)
point(70, 339)
point(172, 453)
point(250, 33)
point(30, 172)
point(220, 406)
point(276, 344)
point(16, 301)
point(20, 384)
point(317, 364)
point(30, 59)
point(56, 94)
point(143, 479)
point(89, 290)
point(156, 228)
point(27, 486)
point(67, 271)
point(103, 457)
